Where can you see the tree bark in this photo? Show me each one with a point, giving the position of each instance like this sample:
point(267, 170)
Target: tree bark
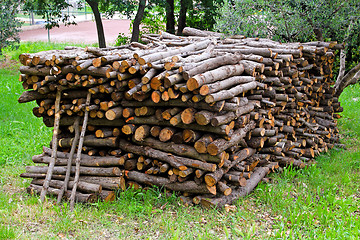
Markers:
point(99, 26)
point(182, 150)
point(175, 161)
point(184, 5)
point(214, 75)
point(54, 147)
point(170, 18)
point(92, 171)
point(187, 186)
point(221, 144)
point(256, 177)
point(79, 197)
point(136, 25)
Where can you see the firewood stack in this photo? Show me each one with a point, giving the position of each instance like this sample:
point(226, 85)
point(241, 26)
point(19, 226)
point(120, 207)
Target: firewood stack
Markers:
point(203, 115)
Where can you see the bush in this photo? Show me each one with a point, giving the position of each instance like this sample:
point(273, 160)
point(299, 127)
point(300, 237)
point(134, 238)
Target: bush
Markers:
point(9, 25)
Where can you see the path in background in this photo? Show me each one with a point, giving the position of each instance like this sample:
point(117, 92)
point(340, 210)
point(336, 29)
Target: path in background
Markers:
point(83, 32)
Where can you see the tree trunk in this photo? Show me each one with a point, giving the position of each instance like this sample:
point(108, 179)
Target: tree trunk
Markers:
point(136, 25)
point(99, 26)
point(170, 18)
point(184, 5)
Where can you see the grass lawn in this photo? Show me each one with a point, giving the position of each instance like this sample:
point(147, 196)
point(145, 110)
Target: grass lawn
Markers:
point(321, 202)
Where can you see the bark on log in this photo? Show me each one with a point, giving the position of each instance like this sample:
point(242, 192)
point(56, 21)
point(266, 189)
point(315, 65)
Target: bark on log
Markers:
point(90, 161)
point(187, 186)
point(221, 144)
point(79, 197)
point(220, 202)
point(82, 186)
point(224, 84)
point(214, 75)
point(227, 59)
point(230, 93)
point(182, 150)
point(175, 161)
point(92, 171)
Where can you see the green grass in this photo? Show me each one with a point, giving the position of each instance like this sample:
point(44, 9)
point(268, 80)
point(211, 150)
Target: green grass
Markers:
point(321, 202)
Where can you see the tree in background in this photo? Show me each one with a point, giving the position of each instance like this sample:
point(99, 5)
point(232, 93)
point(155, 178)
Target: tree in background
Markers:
point(53, 12)
point(170, 17)
point(94, 4)
point(299, 20)
point(185, 5)
point(136, 24)
point(9, 25)
point(202, 14)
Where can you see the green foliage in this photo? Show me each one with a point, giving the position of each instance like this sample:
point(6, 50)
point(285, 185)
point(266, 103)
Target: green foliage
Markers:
point(122, 39)
point(294, 21)
point(9, 25)
point(51, 11)
point(153, 20)
point(202, 14)
point(110, 7)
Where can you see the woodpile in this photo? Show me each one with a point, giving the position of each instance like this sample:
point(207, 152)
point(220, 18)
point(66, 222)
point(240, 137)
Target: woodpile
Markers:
point(203, 115)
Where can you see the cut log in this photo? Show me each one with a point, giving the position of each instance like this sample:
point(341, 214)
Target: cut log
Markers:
point(214, 75)
point(175, 161)
point(256, 177)
point(187, 186)
point(182, 150)
point(80, 197)
point(221, 144)
point(92, 171)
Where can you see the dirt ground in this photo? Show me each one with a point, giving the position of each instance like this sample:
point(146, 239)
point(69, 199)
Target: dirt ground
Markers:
point(83, 32)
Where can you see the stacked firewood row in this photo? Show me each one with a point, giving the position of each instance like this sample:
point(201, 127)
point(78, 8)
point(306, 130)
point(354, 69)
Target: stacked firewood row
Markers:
point(203, 115)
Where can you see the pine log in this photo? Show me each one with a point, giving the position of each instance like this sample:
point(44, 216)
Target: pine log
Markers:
point(212, 178)
point(202, 143)
point(188, 115)
point(161, 55)
point(54, 146)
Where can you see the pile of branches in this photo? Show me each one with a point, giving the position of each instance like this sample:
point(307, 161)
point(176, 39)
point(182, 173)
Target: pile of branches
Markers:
point(202, 115)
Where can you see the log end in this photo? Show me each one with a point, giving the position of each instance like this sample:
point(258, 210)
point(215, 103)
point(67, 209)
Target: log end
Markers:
point(192, 84)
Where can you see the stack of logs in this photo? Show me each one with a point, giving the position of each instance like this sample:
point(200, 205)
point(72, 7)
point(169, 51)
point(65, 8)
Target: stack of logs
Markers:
point(203, 115)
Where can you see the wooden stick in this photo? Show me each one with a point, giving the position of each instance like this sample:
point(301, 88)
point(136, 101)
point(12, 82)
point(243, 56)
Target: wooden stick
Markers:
point(72, 151)
point(54, 147)
point(78, 156)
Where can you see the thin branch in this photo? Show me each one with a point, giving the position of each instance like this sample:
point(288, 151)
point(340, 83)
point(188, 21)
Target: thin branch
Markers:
point(348, 79)
point(78, 156)
point(342, 65)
